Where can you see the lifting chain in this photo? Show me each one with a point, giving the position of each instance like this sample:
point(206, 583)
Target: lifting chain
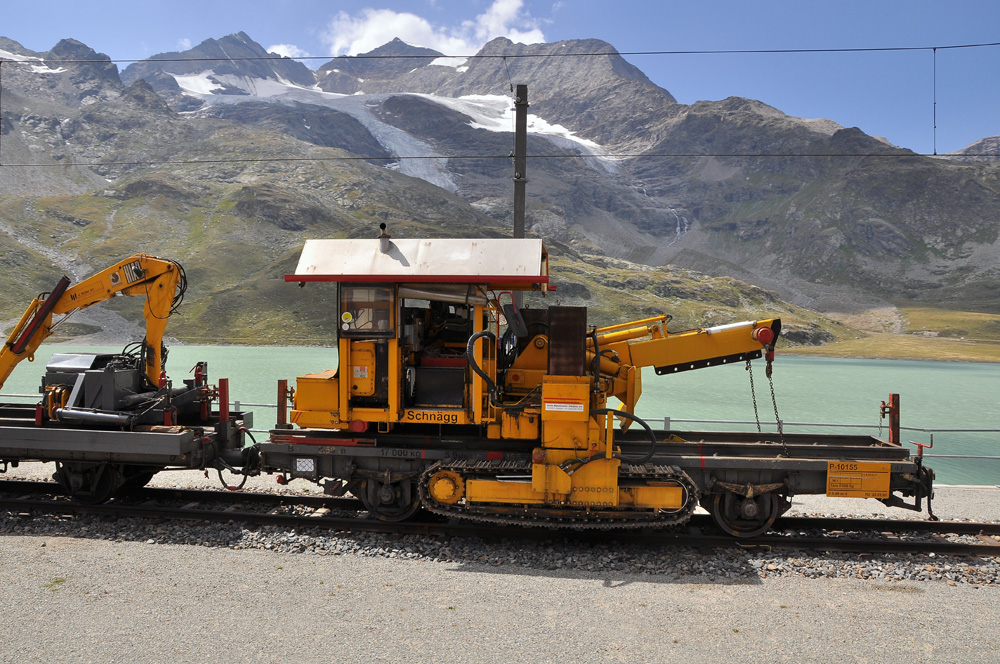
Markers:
point(774, 403)
point(777, 418)
point(753, 395)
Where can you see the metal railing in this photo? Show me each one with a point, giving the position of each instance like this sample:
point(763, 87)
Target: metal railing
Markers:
point(667, 421)
point(782, 424)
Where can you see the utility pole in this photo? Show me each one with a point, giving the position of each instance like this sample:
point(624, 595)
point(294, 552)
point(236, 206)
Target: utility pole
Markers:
point(520, 163)
point(520, 156)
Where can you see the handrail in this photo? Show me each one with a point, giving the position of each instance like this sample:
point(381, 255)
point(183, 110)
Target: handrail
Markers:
point(237, 405)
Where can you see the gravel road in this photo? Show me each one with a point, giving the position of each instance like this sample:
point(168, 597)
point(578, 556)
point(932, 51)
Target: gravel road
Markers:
point(79, 600)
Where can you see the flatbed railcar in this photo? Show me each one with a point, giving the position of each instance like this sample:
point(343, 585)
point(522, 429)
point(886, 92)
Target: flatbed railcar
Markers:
point(110, 421)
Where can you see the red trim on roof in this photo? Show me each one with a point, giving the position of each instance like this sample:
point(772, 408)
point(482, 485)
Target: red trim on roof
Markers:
point(421, 279)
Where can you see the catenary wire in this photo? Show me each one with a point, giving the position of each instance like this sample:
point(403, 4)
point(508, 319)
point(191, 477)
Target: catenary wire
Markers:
point(485, 56)
point(632, 155)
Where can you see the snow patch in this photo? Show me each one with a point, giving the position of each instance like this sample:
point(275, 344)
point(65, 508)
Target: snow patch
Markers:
point(7, 55)
point(40, 68)
point(199, 84)
point(496, 113)
point(207, 81)
point(255, 87)
point(449, 62)
point(45, 69)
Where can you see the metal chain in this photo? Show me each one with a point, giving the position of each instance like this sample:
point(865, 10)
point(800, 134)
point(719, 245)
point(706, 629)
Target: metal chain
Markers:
point(777, 419)
point(753, 396)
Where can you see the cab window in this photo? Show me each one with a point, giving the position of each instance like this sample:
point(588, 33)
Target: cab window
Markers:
point(366, 311)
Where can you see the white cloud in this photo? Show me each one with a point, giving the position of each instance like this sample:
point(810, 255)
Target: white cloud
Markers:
point(184, 44)
point(288, 50)
point(370, 28)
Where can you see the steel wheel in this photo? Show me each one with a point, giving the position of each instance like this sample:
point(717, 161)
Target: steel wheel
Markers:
point(390, 501)
point(92, 483)
point(745, 517)
point(136, 477)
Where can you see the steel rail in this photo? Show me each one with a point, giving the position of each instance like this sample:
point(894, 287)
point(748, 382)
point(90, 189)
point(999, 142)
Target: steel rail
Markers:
point(36, 487)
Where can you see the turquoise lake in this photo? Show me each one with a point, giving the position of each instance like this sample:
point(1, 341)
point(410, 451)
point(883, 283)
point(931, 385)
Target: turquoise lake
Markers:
point(933, 395)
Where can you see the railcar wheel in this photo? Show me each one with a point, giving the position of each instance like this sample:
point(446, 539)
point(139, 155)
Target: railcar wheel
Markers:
point(745, 517)
point(92, 483)
point(390, 501)
point(135, 478)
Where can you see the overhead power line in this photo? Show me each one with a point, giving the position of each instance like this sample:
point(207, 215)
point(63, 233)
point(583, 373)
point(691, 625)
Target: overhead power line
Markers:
point(502, 56)
point(634, 155)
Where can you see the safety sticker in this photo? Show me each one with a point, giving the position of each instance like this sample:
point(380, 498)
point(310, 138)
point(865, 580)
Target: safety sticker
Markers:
point(857, 479)
point(564, 407)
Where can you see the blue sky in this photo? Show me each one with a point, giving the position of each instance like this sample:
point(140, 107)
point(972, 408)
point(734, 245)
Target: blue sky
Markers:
point(888, 94)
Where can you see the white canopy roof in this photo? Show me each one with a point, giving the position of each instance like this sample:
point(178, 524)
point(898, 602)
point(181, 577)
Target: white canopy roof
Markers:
point(510, 263)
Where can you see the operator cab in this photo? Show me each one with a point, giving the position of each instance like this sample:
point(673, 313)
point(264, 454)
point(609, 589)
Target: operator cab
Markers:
point(407, 310)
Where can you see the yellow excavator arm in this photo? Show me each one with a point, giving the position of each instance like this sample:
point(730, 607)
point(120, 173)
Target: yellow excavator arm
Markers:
point(160, 280)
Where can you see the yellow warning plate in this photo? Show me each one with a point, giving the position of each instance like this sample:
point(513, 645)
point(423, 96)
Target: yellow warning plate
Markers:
point(857, 479)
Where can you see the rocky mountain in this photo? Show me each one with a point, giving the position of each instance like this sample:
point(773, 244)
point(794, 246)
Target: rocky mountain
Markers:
point(827, 216)
point(383, 65)
point(227, 157)
point(982, 151)
point(233, 65)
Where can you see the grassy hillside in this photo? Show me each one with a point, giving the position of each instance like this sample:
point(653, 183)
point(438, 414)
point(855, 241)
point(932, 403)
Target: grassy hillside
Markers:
point(238, 226)
point(927, 334)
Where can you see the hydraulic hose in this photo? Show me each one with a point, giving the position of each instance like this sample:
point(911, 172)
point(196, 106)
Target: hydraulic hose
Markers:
point(470, 356)
point(250, 461)
point(634, 418)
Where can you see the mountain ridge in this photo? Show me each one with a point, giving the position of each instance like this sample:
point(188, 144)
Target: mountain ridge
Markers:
point(822, 215)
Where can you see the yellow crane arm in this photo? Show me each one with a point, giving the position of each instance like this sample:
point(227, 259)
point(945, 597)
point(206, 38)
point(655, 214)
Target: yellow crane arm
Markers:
point(675, 352)
point(160, 280)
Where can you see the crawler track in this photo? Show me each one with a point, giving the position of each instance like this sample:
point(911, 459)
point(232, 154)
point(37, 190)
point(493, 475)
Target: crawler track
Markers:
point(28, 499)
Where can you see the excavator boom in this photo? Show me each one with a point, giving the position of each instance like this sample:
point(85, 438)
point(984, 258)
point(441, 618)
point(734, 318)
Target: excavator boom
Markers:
point(161, 281)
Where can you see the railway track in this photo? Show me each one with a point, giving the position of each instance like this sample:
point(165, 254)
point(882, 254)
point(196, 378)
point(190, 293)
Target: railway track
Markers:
point(826, 534)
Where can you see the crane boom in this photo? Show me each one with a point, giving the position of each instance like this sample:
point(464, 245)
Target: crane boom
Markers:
point(628, 347)
point(160, 280)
